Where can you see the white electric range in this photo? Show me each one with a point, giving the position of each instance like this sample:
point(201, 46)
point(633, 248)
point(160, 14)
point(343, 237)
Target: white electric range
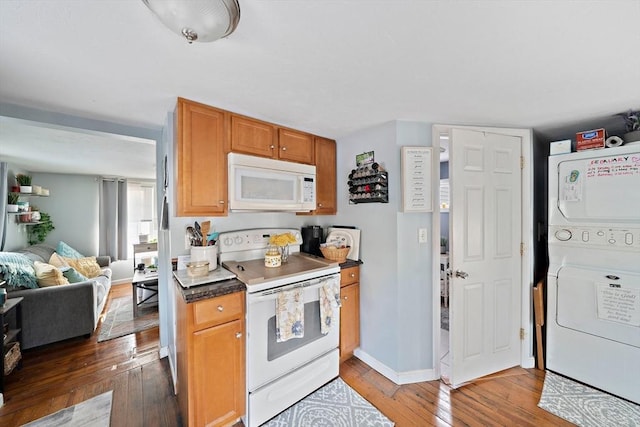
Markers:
point(281, 373)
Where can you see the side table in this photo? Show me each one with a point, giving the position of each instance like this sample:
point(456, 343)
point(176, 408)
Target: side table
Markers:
point(143, 280)
point(13, 331)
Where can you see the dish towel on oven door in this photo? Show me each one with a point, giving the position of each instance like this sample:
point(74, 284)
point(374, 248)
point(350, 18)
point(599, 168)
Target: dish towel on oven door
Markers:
point(289, 315)
point(329, 299)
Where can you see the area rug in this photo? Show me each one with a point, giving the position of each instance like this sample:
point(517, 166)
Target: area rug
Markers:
point(444, 318)
point(119, 320)
point(334, 405)
point(95, 412)
point(584, 406)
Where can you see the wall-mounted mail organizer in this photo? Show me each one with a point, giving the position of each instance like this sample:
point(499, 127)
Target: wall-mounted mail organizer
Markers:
point(368, 184)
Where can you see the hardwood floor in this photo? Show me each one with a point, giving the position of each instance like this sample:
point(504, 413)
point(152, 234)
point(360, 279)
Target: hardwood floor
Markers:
point(508, 398)
point(63, 374)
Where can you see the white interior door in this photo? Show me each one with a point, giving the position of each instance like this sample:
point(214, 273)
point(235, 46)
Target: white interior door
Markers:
point(485, 286)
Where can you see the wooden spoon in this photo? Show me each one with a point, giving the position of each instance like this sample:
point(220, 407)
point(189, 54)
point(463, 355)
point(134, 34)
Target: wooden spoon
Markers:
point(205, 227)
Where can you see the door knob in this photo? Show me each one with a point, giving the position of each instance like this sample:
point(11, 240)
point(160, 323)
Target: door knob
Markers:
point(461, 274)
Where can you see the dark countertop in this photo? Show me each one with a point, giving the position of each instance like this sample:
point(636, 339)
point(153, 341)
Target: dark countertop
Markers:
point(350, 263)
point(211, 290)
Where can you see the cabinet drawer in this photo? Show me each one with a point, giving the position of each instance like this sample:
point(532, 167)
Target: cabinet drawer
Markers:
point(217, 310)
point(349, 275)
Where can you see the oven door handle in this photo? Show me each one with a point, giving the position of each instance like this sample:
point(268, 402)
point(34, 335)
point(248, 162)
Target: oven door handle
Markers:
point(272, 294)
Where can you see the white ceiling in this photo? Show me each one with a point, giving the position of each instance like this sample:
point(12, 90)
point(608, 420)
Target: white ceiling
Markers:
point(330, 67)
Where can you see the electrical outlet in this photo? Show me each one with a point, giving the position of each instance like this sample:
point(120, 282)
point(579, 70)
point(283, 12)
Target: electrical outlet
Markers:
point(422, 235)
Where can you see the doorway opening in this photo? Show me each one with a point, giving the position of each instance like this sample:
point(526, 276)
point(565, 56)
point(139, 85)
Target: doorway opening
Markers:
point(445, 355)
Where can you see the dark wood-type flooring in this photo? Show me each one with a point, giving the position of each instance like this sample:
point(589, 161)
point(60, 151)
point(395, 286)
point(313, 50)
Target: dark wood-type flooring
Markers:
point(63, 374)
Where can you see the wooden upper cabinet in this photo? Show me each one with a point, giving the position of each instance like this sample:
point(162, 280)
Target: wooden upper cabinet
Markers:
point(202, 142)
point(251, 136)
point(295, 146)
point(325, 156)
point(258, 138)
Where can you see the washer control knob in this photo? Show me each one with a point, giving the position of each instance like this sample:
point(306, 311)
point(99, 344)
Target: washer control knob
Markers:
point(585, 236)
point(238, 240)
point(612, 241)
point(228, 241)
point(628, 238)
point(563, 235)
point(600, 233)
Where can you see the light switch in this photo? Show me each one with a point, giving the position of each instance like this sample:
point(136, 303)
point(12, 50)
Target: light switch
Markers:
point(422, 235)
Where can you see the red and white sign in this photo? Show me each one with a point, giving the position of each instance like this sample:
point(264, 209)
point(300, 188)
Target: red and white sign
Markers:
point(590, 139)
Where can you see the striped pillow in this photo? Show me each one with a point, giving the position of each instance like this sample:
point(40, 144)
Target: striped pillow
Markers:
point(17, 270)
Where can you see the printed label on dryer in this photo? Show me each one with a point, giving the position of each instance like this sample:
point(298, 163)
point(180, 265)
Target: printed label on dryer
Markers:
point(618, 304)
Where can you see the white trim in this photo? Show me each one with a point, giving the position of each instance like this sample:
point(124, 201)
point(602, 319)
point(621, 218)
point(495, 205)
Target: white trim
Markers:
point(164, 352)
point(398, 378)
point(121, 281)
point(526, 350)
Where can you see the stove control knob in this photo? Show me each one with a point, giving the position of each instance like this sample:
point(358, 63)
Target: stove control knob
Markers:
point(563, 235)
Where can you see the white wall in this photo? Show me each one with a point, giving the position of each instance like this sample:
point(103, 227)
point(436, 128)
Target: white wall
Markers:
point(73, 207)
point(395, 279)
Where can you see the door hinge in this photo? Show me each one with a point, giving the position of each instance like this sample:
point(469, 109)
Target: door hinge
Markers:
point(521, 162)
point(521, 248)
point(522, 334)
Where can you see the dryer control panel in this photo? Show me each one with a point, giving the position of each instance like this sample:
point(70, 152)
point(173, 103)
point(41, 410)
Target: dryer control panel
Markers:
point(596, 237)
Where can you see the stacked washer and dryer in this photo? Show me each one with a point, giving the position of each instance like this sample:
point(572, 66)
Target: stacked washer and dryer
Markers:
point(593, 296)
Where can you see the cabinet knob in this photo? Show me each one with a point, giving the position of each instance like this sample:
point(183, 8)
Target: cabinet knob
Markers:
point(353, 275)
point(346, 298)
point(220, 308)
point(272, 146)
point(319, 205)
point(284, 148)
point(238, 335)
point(221, 202)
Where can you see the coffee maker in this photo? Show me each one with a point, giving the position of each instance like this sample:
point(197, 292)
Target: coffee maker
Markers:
point(312, 236)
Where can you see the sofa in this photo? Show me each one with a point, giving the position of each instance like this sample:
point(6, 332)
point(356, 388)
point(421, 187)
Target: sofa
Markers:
point(56, 313)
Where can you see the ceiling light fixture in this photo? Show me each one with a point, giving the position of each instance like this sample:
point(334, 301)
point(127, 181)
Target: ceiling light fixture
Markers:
point(197, 20)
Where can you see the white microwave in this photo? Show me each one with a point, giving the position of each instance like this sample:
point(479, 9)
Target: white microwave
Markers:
point(261, 184)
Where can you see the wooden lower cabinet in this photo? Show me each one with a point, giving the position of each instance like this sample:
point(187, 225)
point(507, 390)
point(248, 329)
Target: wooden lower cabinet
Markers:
point(350, 311)
point(211, 354)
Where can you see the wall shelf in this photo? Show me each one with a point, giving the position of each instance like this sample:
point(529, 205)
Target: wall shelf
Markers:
point(368, 185)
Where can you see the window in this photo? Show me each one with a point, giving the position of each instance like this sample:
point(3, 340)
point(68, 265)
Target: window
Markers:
point(142, 214)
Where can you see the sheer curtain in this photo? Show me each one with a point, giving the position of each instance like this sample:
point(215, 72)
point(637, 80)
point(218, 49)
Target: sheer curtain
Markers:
point(4, 192)
point(113, 218)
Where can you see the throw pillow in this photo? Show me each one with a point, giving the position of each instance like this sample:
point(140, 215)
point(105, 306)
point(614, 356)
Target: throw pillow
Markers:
point(48, 275)
point(87, 266)
point(57, 261)
point(72, 275)
point(67, 251)
point(17, 270)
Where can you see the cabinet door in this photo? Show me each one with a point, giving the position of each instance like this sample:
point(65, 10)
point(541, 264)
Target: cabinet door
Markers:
point(251, 136)
point(349, 320)
point(325, 155)
point(295, 146)
point(218, 375)
point(202, 164)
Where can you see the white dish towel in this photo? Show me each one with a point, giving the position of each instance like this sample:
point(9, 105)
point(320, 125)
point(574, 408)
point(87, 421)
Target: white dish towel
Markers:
point(329, 299)
point(289, 315)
